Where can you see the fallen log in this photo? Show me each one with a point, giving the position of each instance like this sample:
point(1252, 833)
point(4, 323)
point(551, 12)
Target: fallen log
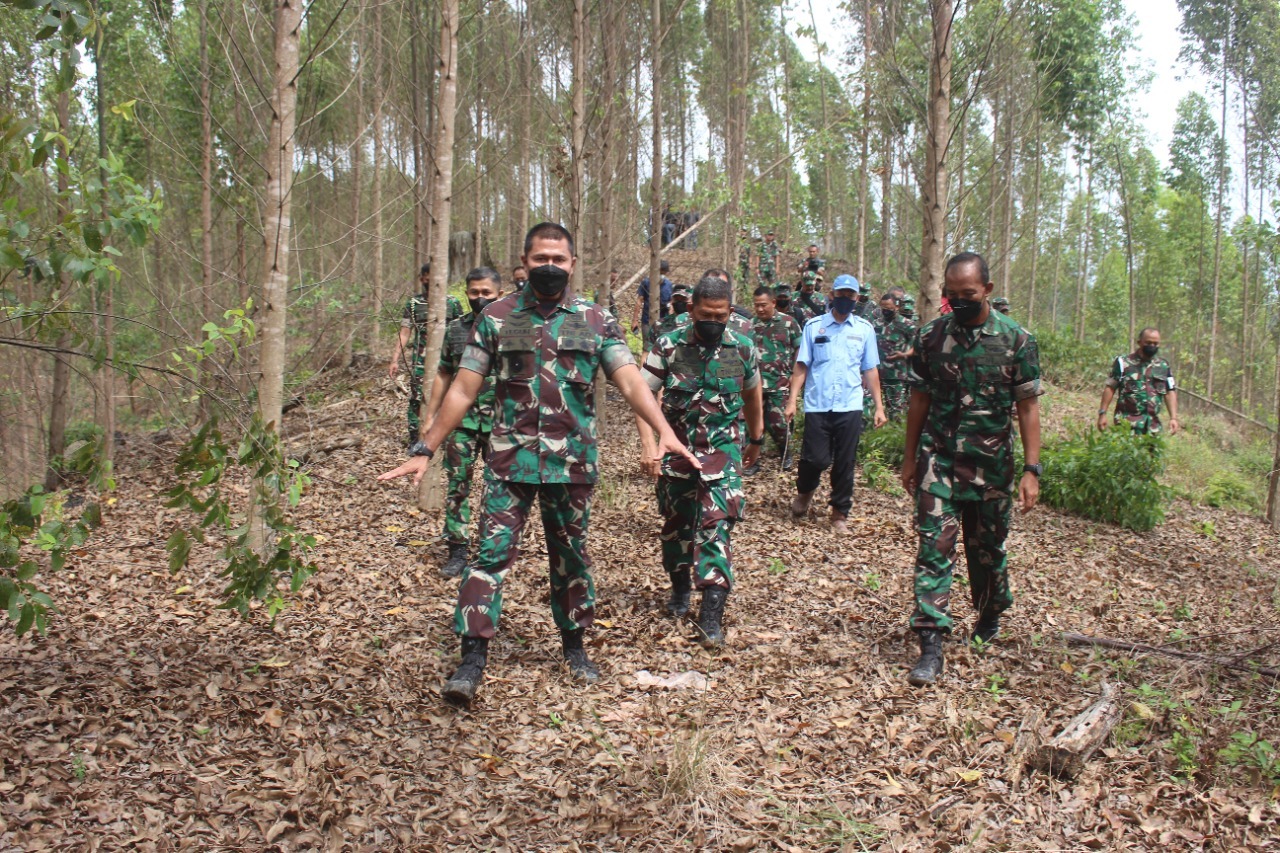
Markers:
point(1233, 662)
point(1066, 754)
point(330, 446)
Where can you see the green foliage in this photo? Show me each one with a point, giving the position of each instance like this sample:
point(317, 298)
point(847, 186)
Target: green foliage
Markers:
point(1073, 364)
point(1249, 751)
point(1109, 476)
point(1227, 488)
point(202, 466)
point(886, 445)
point(36, 521)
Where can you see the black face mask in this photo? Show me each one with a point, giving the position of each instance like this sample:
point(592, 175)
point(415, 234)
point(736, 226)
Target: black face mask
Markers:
point(679, 306)
point(709, 332)
point(548, 281)
point(784, 301)
point(1149, 350)
point(478, 304)
point(888, 315)
point(842, 304)
point(966, 310)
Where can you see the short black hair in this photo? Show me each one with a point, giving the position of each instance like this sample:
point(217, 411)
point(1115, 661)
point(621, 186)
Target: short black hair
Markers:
point(517, 267)
point(1148, 329)
point(965, 258)
point(898, 291)
point(664, 265)
point(548, 231)
point(484, 274)
point(716, 272)
point(888, 294)
point(811, 246)
point(764, 290)
point(710, 287)
point(426, 269)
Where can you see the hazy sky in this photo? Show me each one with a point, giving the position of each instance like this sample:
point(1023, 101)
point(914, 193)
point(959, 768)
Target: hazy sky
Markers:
point(1158, 43)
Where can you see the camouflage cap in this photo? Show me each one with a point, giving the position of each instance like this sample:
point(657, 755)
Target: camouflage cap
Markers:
point(681, 290)
point(1000, 302)
point(864, 288)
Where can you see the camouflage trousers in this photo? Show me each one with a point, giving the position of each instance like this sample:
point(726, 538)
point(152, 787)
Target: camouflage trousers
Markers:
point(1141, 423)
point(461, 450)
point(775, 418)
point(566, 510)
point(416, 370)
point(940, 523)
point(896, 395)
point(767, 274)
point(697, 519)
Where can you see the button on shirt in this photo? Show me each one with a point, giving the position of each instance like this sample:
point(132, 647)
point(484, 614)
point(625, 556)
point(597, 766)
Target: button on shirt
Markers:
point(836, 354)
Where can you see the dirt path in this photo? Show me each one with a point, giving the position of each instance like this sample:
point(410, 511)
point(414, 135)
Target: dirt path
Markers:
point(147, 719)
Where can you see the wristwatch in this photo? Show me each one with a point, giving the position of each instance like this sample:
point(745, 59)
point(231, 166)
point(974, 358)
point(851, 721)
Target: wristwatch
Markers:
point(1036, 469)
point(419, 448)
point(756, 441)
point(1102, 411)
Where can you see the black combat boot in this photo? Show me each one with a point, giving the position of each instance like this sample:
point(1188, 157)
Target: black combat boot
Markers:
point(710, 618)
point(987, 629)
point(580, 666)
point(752, 469)
point(460, 689)
point(457, 561)
point(929, 666)
point(678, 603)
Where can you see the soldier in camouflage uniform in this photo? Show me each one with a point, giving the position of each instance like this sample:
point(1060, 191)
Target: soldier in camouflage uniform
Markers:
point(412, 344)
point(542, 347)
point(1142, 379)
point(970, 370)
point(811, 262)
point(863, 307)
point(908, 310)
point(808, 302)
point(777, 337)
point(744, 254)
point(1001, 304)
point(707, 377)
point(677, 317)
point(465, 444)
point(767, 265)
point(893, 337)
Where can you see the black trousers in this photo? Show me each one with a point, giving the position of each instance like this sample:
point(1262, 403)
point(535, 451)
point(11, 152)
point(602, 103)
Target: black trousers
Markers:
point(830, 441)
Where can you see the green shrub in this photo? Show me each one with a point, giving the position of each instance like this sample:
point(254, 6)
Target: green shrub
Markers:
point(886, 445)
point(1228, 488)
point(1073, 364)
point(1108, 476)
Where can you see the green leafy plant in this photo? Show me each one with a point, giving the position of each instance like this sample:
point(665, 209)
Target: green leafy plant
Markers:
point(1248, 750)
point(776, 566)
point(1108, 476)
point(872, 580)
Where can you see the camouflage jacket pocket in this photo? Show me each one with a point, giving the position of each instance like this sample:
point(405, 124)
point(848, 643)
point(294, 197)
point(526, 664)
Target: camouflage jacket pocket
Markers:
point(519, 362)
point(576, 358)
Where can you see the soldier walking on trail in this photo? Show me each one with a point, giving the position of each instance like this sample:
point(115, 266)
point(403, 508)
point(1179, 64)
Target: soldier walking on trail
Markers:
point(908, 310)
point(836, 360)
point(411, 346)
point(768, 260)
point(811, 262)
point(744, 254)
point(706, 377)
point(465, 444)
point(777, 338)
point(1001, 304)
point(863, 306)
point(970, 370)
point(542, 347)
point(893, 337)
point(1139, 381)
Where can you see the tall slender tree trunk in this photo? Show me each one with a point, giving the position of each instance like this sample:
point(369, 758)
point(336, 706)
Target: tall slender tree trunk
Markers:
point(1035, 227)
point(430, 495)
point(61, 368)
point(352, 324)
point(106, 375)
point(1082, 289)
point(655, 182)
point(526, 120)
point(1006, 234)
point(375, 324)
point(206, 190)
point(829, 236)
point(1245, 364)
point(578, 132)
point(865, 146)
point(1217, 237)
point(1059, 251)
point(933, 190)
point(277, 228)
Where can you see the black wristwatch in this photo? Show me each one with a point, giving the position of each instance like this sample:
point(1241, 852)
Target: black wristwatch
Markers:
point(756, 441)
point(1036, 469)
point(419, 448)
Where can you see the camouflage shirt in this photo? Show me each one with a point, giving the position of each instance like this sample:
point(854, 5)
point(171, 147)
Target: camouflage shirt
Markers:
point(769, 255)
point(1140, 388)
point(702, 398)
point(893, 339)
point(807, 306)
point(479, 418)
point(973, 377)
point(544, 421)
point(414, 317)
point(865, 310)
point(776, 342)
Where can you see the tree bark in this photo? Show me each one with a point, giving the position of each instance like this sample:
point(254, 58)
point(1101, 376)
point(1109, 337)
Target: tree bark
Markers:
point(1217, 238)
point(933, 189)
point(375, 319)
point(578, 133)
point(61, 367)
point(1067, 753)
point(277, 222)
point(864, 149)
point(106, 376)
point(206, 191)
point(655, 182)
point(430, 495)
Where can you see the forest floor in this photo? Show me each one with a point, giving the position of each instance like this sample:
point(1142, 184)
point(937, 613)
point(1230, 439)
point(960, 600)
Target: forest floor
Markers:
point(148, 719)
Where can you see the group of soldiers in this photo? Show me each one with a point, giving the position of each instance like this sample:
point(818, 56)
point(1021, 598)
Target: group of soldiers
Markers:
point(515, 383)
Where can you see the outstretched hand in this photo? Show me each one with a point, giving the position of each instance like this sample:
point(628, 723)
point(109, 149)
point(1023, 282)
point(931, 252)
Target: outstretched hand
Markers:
point(417, 466)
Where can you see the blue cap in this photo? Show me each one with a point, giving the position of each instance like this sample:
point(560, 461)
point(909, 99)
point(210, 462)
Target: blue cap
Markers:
point(845, 282)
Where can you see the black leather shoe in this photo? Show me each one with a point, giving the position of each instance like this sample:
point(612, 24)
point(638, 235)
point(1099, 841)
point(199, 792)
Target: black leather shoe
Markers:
point(711, 617)
point(575, 656)
point(457, 561)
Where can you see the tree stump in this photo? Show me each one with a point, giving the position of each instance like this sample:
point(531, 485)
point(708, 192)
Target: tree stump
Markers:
point(1065, 755)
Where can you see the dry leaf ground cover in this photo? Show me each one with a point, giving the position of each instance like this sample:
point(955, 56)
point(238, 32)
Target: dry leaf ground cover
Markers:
point(148, 719)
